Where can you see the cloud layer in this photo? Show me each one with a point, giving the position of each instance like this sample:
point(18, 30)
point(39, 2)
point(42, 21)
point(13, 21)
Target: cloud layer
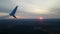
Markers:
point(32, 8)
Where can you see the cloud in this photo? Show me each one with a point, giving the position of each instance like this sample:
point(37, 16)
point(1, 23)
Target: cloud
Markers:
point(33, 8)
point(3, 14)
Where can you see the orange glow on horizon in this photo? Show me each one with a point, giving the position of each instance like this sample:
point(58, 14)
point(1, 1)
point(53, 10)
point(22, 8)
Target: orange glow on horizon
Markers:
point(19, 17)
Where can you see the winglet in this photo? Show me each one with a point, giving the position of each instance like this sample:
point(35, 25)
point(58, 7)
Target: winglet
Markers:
point(13, 12)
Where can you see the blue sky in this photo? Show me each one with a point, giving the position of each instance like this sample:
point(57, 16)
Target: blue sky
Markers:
point(31, 8)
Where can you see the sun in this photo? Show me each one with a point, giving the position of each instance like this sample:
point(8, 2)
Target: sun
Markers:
point(41, 18)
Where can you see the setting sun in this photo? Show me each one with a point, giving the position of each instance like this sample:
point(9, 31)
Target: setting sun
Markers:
point(41, 18)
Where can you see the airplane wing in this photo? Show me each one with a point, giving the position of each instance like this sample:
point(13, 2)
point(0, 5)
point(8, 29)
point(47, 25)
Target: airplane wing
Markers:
point(13, 12)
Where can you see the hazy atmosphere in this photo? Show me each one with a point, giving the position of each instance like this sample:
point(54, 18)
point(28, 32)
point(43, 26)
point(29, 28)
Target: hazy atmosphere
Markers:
point(31, 8)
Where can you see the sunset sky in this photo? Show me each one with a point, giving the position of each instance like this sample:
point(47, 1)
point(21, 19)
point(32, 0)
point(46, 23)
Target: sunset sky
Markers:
point(31, 8)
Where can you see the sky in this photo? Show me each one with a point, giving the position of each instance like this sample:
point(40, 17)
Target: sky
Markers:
point(31, 8)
